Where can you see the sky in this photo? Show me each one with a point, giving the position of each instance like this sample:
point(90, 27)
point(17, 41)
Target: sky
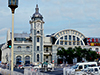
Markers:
point(80, 15)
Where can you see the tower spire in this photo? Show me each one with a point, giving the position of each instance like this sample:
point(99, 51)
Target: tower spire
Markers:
point(37, 9)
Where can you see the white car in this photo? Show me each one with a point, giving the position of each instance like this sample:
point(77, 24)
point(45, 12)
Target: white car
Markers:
point(89, 71)
point(83, 72)
point(38, 66)
point(80, 66)
point(49, 65)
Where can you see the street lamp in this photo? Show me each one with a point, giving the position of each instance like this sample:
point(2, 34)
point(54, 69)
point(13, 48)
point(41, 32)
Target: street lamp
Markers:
point(13, 4)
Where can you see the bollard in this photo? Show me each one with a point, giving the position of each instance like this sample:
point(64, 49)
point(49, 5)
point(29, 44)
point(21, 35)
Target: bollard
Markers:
point(64, 71)
point(52, 68)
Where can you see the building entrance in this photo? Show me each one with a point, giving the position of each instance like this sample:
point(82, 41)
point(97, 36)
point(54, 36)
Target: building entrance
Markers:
point(18, 60)
point(27, 60)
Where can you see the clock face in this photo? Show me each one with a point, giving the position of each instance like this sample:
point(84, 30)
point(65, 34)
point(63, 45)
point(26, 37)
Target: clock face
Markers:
point(38, 25)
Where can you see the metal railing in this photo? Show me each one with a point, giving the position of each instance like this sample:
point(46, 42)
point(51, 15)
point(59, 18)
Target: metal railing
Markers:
point(33, 71)
point(9, 72)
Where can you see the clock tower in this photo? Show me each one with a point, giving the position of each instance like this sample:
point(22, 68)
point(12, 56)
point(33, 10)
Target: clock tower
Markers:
point(37, 35)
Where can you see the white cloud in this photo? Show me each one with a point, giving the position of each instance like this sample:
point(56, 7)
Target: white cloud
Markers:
point(3, 30)
point(83, 15)
point(2, 38)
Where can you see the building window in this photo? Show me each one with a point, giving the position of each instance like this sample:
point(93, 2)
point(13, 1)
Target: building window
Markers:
point(46, 49)
point(66, 37)
point(69, 37)
point(47, 59)
point(37, 32)
point(18, 59)
point(37, 48)
point(97, 50)
point(65, 43)
point(27, 60)
point(58, 42)
point(37, 57)
point(27, 47)
point(73, 43)
point(78, 39)
point(19, 47)
point(81, 43)
point(90, 48)
point(69, 43)
point(61, 42)
point(77, 43)
point(37, 39)
point(73, 38)
point(61, 38)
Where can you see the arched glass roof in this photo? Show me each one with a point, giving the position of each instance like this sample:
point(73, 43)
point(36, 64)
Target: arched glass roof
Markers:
point(69, 37)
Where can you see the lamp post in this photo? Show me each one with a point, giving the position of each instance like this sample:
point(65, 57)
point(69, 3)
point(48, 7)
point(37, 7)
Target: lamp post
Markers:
point(13, 4)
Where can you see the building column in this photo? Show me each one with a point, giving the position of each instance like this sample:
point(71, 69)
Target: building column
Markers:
point(54, 54)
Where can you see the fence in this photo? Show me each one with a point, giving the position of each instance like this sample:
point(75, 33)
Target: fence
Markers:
point(32, 71)
point(8, 72)
point(27, 71)
point(65, 70)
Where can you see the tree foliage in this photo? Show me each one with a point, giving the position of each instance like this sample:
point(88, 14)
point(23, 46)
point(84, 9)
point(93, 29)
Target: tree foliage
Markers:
point(78, 53)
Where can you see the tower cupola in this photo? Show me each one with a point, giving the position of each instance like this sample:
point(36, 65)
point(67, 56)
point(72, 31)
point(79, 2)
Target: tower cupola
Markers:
point(36, 14)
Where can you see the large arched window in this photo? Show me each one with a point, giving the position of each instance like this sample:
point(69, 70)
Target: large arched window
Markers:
point(69, 37)
point(27, 60)
point(18, 60)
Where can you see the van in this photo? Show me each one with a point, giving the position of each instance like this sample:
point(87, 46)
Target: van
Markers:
point(89, 71)
point(80, 66)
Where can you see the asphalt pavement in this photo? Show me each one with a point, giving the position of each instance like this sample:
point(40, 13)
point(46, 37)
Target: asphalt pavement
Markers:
point(57, 71)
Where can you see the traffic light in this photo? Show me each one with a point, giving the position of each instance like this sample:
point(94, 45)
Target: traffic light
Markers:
point(9, 44)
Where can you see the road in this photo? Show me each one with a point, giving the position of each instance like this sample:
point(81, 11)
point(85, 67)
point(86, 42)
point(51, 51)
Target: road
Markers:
point(57, 71)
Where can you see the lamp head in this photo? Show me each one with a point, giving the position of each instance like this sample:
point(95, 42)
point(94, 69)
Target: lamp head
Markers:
point(13, 4)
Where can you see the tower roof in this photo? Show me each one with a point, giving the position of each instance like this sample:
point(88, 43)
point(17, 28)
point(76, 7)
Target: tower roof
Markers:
point(36, 14)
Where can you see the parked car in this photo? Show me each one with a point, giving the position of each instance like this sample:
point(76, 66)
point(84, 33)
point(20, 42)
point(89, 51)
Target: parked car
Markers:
point(80, 66)
point(89, 71)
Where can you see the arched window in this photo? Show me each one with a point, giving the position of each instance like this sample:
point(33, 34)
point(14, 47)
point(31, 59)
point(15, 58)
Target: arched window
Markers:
point(19, 47)
point(38, 32)
point(97, 50)
point(27, 47)
point(18, 60)
point(27, 60)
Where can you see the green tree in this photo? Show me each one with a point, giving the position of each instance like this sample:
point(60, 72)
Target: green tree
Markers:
point(78, 53)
